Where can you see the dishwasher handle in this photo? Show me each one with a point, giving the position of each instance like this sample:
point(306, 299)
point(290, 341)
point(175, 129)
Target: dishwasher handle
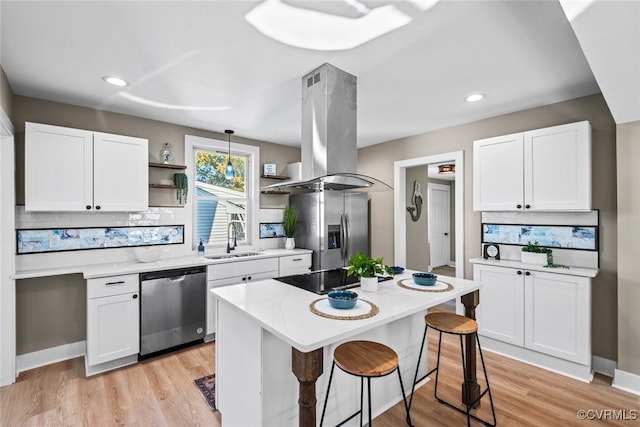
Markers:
point(176, 279)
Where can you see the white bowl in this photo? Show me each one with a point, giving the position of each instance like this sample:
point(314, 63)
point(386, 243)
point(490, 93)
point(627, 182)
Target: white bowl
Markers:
point(147, 253)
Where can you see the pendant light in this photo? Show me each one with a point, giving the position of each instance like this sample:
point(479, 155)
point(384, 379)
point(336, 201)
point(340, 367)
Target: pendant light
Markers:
point(229, 173)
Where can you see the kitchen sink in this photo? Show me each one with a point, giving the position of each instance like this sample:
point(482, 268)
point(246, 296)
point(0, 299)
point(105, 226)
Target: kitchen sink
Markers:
point(231, 255)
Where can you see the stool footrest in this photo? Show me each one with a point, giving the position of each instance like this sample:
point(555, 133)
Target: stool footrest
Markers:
point(464, 412)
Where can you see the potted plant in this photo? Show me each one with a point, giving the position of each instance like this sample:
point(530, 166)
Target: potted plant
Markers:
point(290, 220)
point(367, 269)
point(535, 254)
point(182, 186)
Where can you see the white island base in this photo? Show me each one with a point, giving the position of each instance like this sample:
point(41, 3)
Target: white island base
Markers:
point(255, 385)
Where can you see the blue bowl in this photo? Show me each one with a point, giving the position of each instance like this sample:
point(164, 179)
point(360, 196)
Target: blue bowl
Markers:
point(342, 299)
point(397, 270)
point(425, 279)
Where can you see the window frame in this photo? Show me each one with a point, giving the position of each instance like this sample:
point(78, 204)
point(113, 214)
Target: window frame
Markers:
point(252, 186)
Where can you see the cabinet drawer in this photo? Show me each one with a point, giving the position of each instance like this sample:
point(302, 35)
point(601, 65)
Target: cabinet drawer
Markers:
point(112, 285)
point(241, 268)
point(295, 263)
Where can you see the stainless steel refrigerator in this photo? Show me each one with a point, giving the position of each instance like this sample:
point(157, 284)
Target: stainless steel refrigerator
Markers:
point(334, 224)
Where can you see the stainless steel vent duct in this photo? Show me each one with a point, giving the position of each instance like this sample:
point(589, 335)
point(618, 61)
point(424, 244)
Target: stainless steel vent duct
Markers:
point(329, 131)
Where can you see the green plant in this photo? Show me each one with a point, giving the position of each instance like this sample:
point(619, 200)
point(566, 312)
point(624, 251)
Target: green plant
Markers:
point(290, 219)
point(182, 184)
point(361, 265)
point(535, 248)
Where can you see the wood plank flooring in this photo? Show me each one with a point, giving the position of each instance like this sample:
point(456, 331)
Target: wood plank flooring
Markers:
point(160, 392)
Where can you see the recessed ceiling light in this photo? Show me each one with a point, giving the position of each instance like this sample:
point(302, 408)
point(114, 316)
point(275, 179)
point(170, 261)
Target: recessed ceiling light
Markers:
point(116, 81)
point(475, 97)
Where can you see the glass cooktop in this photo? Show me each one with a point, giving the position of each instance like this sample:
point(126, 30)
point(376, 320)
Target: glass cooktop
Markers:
point(323, 281)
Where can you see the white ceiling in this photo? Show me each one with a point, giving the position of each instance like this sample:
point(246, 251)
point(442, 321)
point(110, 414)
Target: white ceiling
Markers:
point(201, 64)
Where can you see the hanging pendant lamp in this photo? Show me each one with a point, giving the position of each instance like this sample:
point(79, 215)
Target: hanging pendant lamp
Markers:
point(229, 173)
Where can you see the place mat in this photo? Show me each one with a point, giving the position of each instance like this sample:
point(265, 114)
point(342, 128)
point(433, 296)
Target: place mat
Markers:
point(439, 286)
point(361, 310)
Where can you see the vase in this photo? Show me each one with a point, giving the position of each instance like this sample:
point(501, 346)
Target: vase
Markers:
point(290, 243)
point(534, 258)
point(369, 284)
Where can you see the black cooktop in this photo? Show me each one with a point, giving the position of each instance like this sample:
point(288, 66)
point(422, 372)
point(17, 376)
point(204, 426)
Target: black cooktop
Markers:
point(321, 282)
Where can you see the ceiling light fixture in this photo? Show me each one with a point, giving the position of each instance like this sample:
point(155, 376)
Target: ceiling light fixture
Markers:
point(307, 28)
point(475, 97)
point(447, 169)
point(229, 173)
point(116, 81)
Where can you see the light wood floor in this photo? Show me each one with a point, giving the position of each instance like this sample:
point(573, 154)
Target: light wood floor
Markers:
point(160, 392)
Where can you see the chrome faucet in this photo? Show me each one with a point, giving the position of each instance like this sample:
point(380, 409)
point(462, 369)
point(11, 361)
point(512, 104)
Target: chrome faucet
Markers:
point(231, 226)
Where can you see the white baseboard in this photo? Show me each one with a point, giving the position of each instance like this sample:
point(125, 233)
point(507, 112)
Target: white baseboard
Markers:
point(36, 359)
point(626, 381)
point(603, 366)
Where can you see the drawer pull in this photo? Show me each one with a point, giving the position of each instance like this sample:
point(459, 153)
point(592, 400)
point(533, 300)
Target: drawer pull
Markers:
point(119, 282)
point(297, 259)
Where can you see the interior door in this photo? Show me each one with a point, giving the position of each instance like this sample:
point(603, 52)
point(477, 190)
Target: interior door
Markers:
point(439, 221)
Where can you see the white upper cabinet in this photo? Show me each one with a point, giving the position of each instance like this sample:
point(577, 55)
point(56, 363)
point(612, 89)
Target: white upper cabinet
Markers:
point(541, 170)
point(78, 170)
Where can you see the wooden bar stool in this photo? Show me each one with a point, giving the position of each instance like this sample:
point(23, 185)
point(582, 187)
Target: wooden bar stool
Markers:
point(451, 323)
point(365, 359)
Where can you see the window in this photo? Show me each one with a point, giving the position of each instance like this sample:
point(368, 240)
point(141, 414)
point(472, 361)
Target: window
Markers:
point(222, 207)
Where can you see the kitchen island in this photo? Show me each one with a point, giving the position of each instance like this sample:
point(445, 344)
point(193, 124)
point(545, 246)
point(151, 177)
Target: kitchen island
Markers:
point(266, 331)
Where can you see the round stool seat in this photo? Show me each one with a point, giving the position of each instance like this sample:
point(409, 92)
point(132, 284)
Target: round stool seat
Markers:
point(365, 358)
point(451, 323)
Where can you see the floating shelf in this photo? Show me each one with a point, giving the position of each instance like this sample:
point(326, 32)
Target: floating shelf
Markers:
point(274, 192)
point(280, 177)
point(162, 186)
point(166, 166)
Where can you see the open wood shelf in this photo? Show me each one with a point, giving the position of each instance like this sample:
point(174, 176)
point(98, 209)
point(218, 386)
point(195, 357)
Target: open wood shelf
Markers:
point(162, 186)
point(166, 166)
point(274, 192)
point(280, 177)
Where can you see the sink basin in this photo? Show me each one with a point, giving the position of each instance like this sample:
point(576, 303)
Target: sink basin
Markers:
point(231, 255)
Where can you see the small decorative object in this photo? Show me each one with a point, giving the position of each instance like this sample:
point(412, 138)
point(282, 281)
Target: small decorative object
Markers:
point(290, 220)
point(491, 251)
point(367, 269)
point(269, 169)
point(535, 254)
point(416, 201)
point(182, 184)
point(397, 269)
point(425, 279)
point(165, 153)
point(342, 299)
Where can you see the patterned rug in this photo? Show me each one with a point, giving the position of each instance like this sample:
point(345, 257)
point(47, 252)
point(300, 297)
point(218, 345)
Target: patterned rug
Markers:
point(207, 387)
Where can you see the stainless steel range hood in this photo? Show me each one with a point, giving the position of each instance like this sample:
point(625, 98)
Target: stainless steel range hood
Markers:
point(329, 129)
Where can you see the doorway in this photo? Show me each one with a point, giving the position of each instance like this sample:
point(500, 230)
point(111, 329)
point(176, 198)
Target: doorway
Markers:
point(400, 205)
point(438, 207)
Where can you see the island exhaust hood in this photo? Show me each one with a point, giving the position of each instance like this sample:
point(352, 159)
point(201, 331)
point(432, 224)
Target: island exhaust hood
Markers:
point(328, 146)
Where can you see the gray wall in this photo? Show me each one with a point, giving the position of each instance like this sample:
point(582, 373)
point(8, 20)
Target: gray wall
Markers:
point(377, 161)
point(48, 309)
point(628, 145)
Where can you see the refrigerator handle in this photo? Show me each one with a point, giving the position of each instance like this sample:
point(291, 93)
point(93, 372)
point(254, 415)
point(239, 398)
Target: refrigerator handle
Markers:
point(343, 237)
point(347, 237)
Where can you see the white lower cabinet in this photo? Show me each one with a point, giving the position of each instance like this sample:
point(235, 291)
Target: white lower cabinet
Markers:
point(548, 313)
point(294, 264)
point(113, 322)
point(233, 273)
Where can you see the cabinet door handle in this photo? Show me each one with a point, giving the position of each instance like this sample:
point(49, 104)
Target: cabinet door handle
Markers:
point(244, 279)
point(98, 207)
point(119, 282)
point(528, 273)
point(519, 206)
point(135, 296)
point(519, 272)
point(249, 278)
point(527, 206)
point(88, 207)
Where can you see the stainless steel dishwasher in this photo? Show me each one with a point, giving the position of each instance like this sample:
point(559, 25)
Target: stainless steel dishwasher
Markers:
point(172, 308)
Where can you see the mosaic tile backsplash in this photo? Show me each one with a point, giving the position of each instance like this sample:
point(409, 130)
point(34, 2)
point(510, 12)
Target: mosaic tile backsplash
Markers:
point(551, 236)
point(73, 239)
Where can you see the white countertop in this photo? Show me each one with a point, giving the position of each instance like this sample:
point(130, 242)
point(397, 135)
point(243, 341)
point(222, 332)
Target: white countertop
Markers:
point(571, 271)
point(112, 269)
point(284, 310)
